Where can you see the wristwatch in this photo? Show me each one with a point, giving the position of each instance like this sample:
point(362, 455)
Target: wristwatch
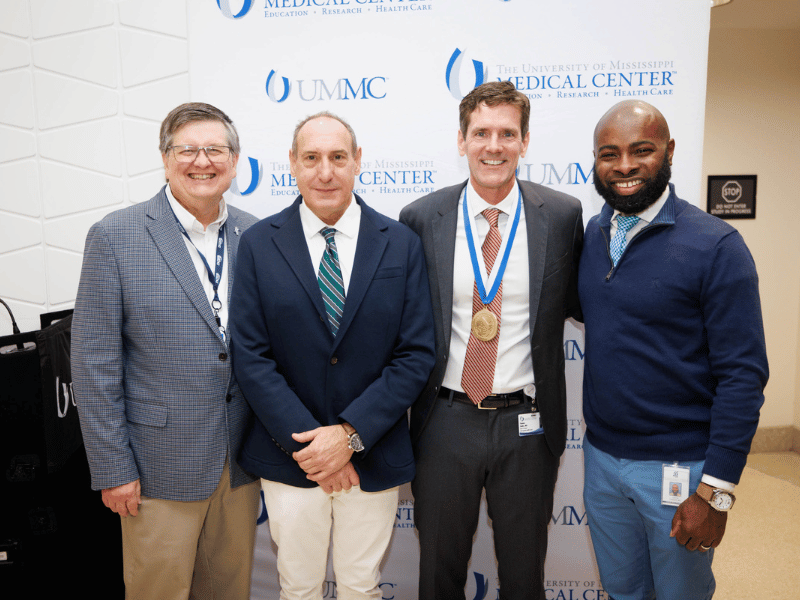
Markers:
point(354, 442)
point(720, 500)
point(353, 439)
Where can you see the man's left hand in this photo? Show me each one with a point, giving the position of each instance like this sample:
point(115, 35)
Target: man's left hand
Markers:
point(698, 526)
point(326, 453)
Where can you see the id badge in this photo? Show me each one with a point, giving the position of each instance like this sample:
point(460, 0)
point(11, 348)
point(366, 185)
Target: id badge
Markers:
point(529, 424)
point(674, 484)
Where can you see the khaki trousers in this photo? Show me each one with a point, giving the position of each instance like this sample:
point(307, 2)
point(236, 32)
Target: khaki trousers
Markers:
point(192, 550)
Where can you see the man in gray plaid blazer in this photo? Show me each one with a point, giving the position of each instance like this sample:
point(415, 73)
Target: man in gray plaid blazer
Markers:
point(161, 413)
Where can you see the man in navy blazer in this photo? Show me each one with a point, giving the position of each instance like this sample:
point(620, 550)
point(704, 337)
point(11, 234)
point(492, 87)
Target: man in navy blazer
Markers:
point(333, 341)
point(161, 414)
point(493, 414)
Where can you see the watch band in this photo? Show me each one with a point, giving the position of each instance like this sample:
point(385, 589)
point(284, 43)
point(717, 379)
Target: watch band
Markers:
point(719, 499)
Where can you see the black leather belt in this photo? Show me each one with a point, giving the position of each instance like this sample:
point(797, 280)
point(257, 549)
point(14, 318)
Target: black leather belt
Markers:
point(492, 402)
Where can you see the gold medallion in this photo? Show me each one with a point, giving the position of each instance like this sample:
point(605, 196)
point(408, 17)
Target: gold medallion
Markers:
point(484, 325)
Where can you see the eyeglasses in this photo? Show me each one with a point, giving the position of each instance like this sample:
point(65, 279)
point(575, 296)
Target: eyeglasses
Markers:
point(188, 154)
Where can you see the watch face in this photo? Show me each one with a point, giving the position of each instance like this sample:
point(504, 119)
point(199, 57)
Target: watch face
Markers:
point(355, 443)
point(722, 501)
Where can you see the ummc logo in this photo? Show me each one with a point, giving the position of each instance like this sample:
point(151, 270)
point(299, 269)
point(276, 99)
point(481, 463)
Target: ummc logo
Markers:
point(570, 516)
point(272, 93)
point(572, 350)
point(309, 90)
point(256, 173)
point(731, 191)
point(481, 585)
point(225, 7)
point(453, 74)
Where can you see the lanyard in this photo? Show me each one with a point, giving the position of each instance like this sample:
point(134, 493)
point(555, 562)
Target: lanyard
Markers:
point(478, 267)
point(214, 276)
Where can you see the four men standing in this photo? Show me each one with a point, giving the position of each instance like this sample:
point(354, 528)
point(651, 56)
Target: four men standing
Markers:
point(341, 318)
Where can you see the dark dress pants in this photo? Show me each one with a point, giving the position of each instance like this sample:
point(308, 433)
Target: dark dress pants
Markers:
point(461, 451)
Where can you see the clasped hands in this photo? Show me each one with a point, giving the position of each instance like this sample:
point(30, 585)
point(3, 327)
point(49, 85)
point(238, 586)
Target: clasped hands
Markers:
point(326, 459)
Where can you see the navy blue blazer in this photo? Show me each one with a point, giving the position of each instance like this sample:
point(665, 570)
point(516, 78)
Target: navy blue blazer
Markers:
point(297, 376)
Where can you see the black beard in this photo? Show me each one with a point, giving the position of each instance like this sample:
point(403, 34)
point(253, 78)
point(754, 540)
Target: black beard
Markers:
point(632, 205)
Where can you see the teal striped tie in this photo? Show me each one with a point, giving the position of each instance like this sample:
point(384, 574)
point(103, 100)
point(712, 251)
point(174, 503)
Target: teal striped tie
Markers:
point(330, 280)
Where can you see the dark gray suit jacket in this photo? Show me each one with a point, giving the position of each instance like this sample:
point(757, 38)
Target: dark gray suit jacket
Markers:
point(555, 236)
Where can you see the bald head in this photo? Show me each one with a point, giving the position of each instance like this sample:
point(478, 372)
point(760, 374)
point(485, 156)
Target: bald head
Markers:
point(632, 156)
point(633, 114)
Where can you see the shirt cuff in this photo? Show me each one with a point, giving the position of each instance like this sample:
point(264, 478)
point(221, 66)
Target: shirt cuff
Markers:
point(718, 483)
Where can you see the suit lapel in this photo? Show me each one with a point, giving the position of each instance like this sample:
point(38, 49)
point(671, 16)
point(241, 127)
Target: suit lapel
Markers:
point(232, 235)
point(168, 239)
point(536, 221)
point(444, 226)
point(291, 243)
point(372, 242)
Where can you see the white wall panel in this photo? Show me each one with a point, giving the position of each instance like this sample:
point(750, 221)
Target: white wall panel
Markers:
point(69, 233)
point(23, 276)
point(16, 101)
point(18, 232)
point(155, 100)
point(147, 57)
point(141, 146)
point(13, 53)
point(91, 56)
point(66, 189)
point(63, 272)
point(53, 17)
point(16, 144)
point(14, 18)
point(155, 15)
point(19, 188)
point(75, 101)
point(96, 146)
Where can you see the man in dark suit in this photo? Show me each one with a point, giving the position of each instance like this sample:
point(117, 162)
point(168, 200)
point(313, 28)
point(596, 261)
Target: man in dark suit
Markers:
point(501, 256)
point(161, 414)
point(333, 342)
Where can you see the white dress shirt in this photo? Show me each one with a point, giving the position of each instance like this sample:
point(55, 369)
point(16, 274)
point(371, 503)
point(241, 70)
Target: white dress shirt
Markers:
point(346, 237)
point(514, 368)
point(204, 239)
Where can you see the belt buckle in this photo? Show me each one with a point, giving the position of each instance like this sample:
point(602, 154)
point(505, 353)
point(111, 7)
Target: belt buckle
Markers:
point(480, 407)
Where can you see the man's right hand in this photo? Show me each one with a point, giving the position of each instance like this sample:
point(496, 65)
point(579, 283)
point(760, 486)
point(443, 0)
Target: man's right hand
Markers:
point(343, 479)
point(124, 499)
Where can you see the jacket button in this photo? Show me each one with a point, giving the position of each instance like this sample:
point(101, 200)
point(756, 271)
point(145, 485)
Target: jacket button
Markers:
point(223, 356)
point(334, 360)
point(228, 398)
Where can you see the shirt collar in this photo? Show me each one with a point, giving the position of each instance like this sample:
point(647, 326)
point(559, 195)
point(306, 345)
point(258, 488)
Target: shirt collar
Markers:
point(478, 204)
point(188, 220)
point(347, 224)
point(650, 213)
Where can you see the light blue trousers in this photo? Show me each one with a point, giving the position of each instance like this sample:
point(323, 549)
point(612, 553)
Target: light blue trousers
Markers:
point(637, 558)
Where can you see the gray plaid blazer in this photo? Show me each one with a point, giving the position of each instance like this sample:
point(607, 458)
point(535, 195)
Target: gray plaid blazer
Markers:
point(151, 373)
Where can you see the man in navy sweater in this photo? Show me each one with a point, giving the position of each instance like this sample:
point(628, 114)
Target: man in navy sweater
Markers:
point(675, 367)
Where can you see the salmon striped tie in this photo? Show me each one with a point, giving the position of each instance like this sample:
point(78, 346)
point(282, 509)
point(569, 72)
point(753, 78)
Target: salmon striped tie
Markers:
point(478, 375)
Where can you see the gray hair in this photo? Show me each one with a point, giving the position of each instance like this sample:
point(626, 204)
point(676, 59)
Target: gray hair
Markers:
point(192, 112)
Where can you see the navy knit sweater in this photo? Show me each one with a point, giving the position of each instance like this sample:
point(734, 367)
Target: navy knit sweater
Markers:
point(675, 362)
